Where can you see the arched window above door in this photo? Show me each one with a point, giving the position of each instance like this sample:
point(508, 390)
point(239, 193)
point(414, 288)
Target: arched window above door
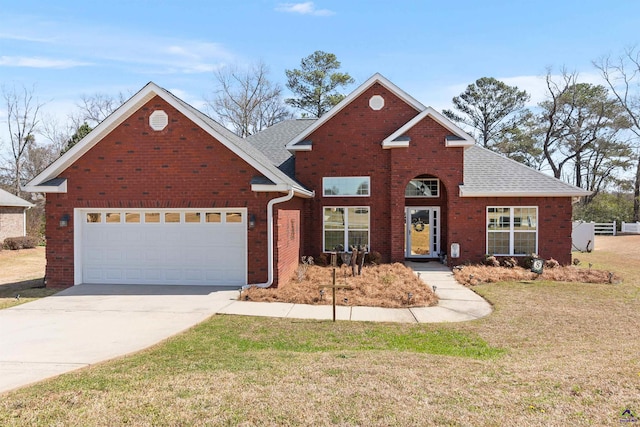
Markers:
point(423, 187)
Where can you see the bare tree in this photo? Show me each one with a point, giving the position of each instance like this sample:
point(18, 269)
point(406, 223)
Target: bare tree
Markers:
point(246, 101)
point(623, 77)
point(93, 109)
point(22, 123)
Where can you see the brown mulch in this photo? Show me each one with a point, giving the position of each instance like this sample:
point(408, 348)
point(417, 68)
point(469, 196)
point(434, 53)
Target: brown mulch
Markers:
point(386, 285)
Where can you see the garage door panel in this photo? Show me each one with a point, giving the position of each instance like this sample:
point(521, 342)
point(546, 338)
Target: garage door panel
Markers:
point(164, 253)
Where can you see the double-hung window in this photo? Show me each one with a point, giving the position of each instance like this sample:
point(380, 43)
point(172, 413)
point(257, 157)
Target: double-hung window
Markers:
point(345, 227)
point(512, 230)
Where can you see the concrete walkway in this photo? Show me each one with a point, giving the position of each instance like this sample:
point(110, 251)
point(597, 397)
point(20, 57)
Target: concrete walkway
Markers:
point(87, 324)
point(457, 304)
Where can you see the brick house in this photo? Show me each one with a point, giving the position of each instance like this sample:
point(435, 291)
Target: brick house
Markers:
point(159, 193)
point(13, 215)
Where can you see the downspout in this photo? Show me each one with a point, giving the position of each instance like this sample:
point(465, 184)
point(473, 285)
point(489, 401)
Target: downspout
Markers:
point(24, 221)
point(270, 242)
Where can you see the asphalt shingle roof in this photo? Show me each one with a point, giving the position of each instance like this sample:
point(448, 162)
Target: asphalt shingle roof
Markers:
point(487, 173)
point(273, 140)
point(8, 199)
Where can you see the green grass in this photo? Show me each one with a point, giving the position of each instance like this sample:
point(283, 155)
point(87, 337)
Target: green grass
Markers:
point(242, 334)
point(551, 353)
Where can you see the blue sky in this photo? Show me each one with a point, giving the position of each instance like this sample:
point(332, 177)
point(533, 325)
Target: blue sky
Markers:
point(430, 49)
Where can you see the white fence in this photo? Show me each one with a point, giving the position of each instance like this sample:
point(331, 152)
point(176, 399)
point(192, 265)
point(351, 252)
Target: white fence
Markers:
point(583, 236)
point(631, 227)
point(605, 228)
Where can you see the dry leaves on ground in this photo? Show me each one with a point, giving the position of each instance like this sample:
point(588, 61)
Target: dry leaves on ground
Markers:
point(470, 275)
point(386, 285)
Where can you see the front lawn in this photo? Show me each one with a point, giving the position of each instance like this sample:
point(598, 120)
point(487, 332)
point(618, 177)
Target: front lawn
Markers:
point(21, 276)
point(551, 353)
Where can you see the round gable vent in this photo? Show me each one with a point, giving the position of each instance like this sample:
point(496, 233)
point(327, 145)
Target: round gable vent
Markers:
point(376, 102)
point(158, 120)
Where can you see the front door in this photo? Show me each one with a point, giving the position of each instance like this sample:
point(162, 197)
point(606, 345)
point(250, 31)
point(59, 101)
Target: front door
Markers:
point(422, 226)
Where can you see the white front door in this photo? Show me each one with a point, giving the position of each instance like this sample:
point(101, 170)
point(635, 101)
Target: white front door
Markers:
point(422, 226)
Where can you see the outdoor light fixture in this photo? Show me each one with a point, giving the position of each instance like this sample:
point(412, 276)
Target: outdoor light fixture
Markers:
point(252, 222)
point(64, 220)
point(322, 294)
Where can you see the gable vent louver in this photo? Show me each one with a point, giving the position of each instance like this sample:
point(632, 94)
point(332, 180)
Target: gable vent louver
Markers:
point(158, 120)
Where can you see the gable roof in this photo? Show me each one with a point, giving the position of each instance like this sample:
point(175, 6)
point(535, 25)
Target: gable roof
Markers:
point(459, 138)
point(8, 199)
point(298, 142)
point(488, 174)
point(239, 146)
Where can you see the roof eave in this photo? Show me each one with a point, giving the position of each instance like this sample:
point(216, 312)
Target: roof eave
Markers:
point(39, 188)
point(376, 78)
point(484, 193)
point(283, 188)
point(462, 139)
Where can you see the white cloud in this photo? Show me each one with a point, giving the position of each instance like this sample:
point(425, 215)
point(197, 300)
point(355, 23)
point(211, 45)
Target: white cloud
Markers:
point(38, 62)
point(306, 8)
point(128, 49)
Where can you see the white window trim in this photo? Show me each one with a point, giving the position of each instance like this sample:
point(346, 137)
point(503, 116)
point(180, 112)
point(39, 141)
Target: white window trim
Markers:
point(346, 226)
point(368, 178)
point(511, 230)
point(424, 197)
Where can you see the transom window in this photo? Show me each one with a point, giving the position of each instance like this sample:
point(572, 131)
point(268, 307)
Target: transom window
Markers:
point(423, 187)
point(512, 230)
point(345, 227)
point(357, 186)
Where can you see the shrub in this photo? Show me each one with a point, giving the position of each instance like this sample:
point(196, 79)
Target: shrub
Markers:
point(527, 262)
point(322, 260)
point(491, 261)
point(510, 262)
point(22, 242)
point(551, 263)
point(373, 257)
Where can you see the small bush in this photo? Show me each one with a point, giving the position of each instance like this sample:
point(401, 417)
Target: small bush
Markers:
point(510, 262)
point(527, 262)
point(322, 260)
point(373, 257)
point(22, 242)
point(491, 261)
point(551, 263)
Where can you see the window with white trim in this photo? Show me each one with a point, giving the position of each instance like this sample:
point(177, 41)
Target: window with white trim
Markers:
point(349, 186)
point(512, 230)
point(344, 227)
point(423, 187)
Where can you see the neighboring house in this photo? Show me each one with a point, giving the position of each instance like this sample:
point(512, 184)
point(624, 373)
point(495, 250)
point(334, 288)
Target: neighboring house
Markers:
point(13, 215)
point(159, 193)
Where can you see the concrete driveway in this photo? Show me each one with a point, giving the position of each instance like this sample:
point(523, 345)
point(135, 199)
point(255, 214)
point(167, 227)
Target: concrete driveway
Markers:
point(87, 324)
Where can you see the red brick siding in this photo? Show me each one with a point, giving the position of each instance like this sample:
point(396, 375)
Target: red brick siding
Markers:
point(134, 166)
point(288, 244)
point(554, 225)
point(349, 144)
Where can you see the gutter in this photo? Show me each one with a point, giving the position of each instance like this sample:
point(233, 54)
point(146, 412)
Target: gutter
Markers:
point(270, 242)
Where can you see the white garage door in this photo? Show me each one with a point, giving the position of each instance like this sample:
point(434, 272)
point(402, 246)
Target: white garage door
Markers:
point(172, 247)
